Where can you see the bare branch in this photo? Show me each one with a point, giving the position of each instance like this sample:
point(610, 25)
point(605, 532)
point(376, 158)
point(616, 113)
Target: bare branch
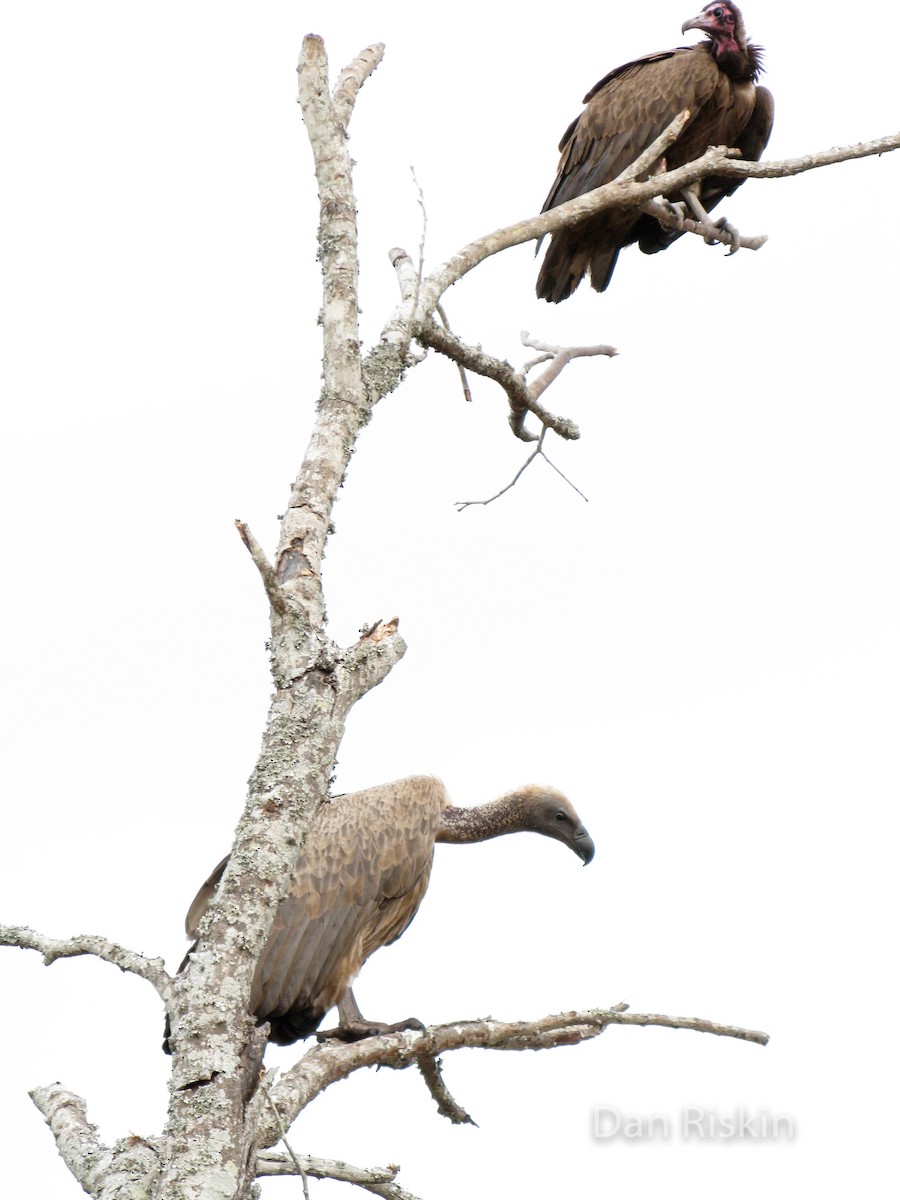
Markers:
point(351, 80)
point(649, 158)
point(521, 401)
point(560, 357)
point(446, 1105)
point(781, 168)
point(128, 1171)
point(718, 160)
point(345, 402)
point(522, 397)
point(367, 662)
point(76, 1138)
point(326, 1063)
point(407, 275)
point(378, 1180)
point(151, 969)
point(265, 568)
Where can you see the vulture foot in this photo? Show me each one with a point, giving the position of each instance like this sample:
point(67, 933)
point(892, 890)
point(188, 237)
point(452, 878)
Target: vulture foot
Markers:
point(355, 1031)
point(678, 210)
point(730, 236)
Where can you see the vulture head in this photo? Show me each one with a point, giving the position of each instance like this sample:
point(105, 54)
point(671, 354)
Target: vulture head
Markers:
point(547, 811)
point(723, 22)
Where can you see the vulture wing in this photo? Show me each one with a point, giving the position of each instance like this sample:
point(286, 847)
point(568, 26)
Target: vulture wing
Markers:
point(359, 882)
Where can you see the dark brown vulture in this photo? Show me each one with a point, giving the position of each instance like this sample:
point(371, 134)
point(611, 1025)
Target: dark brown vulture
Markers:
point(360, 879)
point(625, 112)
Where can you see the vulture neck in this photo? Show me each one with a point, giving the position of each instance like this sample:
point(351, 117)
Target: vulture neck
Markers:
point(506, 815)
point(743, 64)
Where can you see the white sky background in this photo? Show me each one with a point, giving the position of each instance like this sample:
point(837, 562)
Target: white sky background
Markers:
point(704, 657)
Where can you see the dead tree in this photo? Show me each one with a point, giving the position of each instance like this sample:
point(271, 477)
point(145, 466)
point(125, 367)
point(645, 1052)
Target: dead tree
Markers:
point(217, 1141)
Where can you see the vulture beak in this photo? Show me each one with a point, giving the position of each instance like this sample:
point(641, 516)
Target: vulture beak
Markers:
point(701, 21)
point(583, 845)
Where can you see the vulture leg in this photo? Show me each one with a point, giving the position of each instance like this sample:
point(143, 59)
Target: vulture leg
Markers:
point(729, 233)
point(353, 1026)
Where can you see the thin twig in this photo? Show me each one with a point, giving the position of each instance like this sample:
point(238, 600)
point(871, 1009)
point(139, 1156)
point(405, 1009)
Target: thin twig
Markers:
point(564, 477)
point(467, 393)
point(537, 451)
point(462, 505)
point(151, 969)
point(301, 1171)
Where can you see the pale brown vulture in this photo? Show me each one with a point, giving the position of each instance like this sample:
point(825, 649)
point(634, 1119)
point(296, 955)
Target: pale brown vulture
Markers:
point(625, 112)
point(360, 879)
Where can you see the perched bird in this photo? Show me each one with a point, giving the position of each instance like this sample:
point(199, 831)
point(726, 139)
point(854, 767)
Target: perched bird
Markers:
point(360, 879)
point(625, 112)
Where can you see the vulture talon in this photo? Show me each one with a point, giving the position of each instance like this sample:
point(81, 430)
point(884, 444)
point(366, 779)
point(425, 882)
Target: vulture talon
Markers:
point(734, 236)
point(365, 1029)
point(625, 113)
point(677, 209)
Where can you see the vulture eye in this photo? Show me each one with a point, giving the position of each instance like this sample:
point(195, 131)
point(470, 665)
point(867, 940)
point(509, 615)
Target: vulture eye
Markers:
point(561, 816)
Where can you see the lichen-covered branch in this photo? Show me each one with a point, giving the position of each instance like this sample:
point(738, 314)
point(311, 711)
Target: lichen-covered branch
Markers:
point(326, 1063)
point(151, 969)
point(76, 1138)
point(522, 400)
point(128, 1171)
point(523, 397)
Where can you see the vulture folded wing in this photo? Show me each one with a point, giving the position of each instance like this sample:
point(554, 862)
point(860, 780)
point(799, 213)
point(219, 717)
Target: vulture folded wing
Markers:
point(360, 879)
point(624, 113)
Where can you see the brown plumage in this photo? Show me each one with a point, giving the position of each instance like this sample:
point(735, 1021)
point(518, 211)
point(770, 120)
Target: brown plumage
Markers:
point(360, 879)
point(625, 112)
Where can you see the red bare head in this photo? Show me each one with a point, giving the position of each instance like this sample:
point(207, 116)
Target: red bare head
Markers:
point(722, 21)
